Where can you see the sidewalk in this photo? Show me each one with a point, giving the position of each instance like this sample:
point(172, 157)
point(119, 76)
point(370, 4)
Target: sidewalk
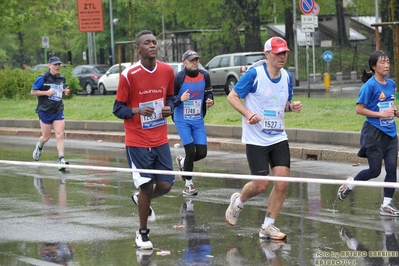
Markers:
point(337, 146)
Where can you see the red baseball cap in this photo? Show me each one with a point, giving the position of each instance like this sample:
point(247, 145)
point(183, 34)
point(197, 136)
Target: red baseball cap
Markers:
point(276, 45)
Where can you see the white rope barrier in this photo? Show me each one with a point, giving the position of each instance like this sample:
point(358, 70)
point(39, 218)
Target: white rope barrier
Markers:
point(215, 175)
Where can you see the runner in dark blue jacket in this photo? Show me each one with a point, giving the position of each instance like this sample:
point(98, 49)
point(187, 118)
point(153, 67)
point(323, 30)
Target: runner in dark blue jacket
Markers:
point(193, 96)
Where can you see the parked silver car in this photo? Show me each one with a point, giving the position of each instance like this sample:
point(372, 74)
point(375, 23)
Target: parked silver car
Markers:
point(226, 69)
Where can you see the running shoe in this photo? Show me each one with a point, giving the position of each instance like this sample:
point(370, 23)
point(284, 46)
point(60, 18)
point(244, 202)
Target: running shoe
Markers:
point(62, 162)
point(389, 210)
point(151, 213)
point(37, 152)
point(344, 190)
point(271, 232)
point(190, 191)
point(143, 240)
point(233, 211)
point(180, 165)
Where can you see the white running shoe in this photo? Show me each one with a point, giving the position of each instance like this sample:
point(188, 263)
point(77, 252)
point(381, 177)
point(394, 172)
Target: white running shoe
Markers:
point(271, 232)
point(190, 191)
point(179, 160)
point(142, 239)
point(62, 162)
point(37, 152)
point(233, 211)
point(151, 213)
point(389, 210)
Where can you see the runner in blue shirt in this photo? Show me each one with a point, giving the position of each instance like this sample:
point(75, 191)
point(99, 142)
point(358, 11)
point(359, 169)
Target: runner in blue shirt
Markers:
point(193, 96)
point(378, 139)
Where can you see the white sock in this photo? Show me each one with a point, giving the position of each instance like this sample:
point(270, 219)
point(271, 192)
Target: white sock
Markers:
point(239, 202)
point(351, 186)
point(189, 182)
point(386, 201)
point(267, 221)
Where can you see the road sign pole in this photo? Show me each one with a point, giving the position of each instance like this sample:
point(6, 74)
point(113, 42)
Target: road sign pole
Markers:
point(295, 44)
point(307, 68)
point(314, 60)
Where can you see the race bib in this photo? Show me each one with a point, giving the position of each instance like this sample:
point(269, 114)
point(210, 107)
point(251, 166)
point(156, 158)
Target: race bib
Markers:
point(156, 119)
point(192, 109)
point(383, 107)
point(273, 122)
point(58, 89)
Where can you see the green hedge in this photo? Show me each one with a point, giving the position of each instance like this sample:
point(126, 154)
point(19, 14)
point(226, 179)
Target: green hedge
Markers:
point(17, 83)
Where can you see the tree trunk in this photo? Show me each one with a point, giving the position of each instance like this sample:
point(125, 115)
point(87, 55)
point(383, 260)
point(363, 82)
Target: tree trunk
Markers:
point(21, 55)
point(386, 32)
point(289, 24)
point(342, 36)
point(251, 24)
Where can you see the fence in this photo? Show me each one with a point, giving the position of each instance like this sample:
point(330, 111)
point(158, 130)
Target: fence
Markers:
point(345, 60)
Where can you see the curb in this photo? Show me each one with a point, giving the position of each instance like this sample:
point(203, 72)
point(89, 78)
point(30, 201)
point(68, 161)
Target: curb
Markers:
point(336, 146)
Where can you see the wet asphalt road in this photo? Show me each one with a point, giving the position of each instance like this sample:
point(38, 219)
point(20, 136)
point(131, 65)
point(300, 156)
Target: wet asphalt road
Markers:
point(86, 217)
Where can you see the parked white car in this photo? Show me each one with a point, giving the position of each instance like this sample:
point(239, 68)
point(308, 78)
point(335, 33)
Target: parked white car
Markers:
point(109, 81)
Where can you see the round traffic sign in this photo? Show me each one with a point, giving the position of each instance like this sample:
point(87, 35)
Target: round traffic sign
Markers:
point(306, 6)
point(316, 9)
point(327, 56)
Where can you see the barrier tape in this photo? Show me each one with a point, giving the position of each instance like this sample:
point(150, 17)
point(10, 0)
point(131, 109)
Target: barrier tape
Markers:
point(215, 175)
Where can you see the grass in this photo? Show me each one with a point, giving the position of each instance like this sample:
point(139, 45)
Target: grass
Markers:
point(335, 114)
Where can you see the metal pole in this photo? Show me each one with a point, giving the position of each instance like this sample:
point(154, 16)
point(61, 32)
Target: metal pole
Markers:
point(89, 48)
point(94, 48)
point(295, 45)
point(112, 32)
point(45, 52)
point(397, 54)
point(314, 61)
point(307, 68)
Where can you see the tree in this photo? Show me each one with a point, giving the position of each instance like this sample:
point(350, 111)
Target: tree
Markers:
point(342, 35)
point(289, 22)
point(25, 25)
point(251, 24)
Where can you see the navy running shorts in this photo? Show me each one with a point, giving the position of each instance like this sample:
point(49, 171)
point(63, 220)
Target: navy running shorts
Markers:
point(158, 158)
